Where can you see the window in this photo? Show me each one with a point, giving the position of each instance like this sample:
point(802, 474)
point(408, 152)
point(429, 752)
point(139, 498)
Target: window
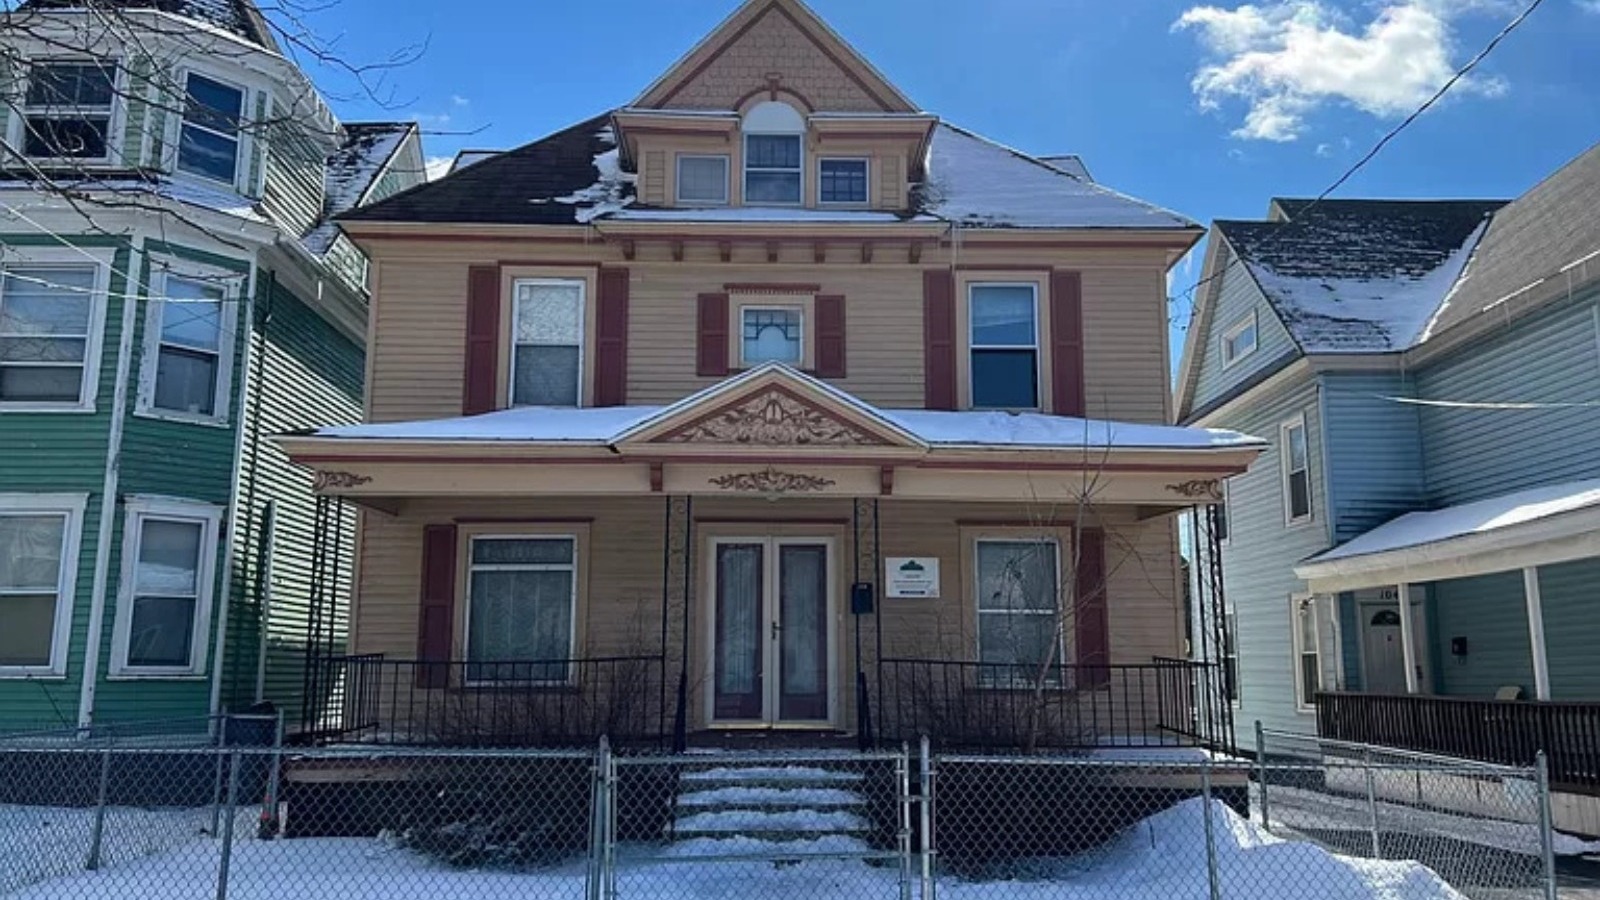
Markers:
point(843, 181)
point(547, 355)
point(1004, 329)
point(772, 168)
point(189, 338)
point(1230, 657)
point(208, 144)
point(1017, 605)
point(703, 179)
point(1239, 341)
point(47, 334)
point(1307, 659)
point(522, 592)
point(1223, 526)
point(165, 602)
point(1296, 471)
point(67, 110)
point(771, 335)
point(38, 565)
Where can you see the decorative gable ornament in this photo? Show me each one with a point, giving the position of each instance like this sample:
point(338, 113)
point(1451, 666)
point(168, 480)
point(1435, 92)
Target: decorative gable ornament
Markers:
point(773, 417)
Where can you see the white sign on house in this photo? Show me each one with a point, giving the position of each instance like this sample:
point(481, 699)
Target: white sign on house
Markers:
point(912, 576)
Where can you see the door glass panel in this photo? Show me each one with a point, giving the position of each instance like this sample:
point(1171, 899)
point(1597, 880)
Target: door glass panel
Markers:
point(802, 612)
point(738, 627)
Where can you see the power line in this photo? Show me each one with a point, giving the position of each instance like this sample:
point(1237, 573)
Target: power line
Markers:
point(1384, 141)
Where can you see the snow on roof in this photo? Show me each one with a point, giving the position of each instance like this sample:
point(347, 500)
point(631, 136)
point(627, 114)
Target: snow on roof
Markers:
point(1481, 517)
point(759, 214)
point(128, 189)
point(1359, 276)
point(978, 183)
point(241, 18)
point(534, 424)
point(351, 171)
point(1009, 430)
point(612, 192)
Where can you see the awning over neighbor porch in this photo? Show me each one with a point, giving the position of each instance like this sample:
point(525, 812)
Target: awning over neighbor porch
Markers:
point(773, 431)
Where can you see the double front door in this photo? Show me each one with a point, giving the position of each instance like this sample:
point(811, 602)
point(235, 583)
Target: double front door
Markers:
point(771, 630)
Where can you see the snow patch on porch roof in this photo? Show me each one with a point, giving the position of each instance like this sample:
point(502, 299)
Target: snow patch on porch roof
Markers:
point(534, 424)
point(1480, 517)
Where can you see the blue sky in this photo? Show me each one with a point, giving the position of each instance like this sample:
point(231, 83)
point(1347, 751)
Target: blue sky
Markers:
point(1208, 110)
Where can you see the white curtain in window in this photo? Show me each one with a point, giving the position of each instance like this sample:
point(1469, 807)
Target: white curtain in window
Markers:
point(739, 586)
point(549, 333)
point(802, 604)
point(30, 572)
point(522, 617)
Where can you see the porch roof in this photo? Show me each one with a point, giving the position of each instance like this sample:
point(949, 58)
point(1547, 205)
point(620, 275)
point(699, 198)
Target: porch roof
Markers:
point(1539, 526)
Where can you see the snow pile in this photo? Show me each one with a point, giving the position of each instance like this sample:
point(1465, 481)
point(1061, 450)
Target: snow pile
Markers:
point(610, 194)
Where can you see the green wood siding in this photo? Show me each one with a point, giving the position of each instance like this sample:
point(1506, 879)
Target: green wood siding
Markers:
point(294, 179)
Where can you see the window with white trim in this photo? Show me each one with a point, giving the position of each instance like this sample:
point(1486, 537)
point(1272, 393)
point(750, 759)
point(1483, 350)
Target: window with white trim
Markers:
point(1017, 588)
point(522, 596)
point(772, 169)
point(189, 336)
point(1239, 340)
point(38, 568)
point(772, 334)
point(164, 605)
point(67, 109)
point(1307, 652)
point(842, 181)
point(208, 139)
point(1003, 331)
point(703, 179)
point(48, 318)
point(547, 342)
point(1296, 455)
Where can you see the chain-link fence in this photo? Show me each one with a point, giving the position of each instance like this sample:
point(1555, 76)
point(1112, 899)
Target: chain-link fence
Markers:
point(1306, 820)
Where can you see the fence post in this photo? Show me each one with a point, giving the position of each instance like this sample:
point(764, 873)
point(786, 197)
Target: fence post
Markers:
point(98, 833)
point(612, 807)
point(268, 826)
point(1372, 802)
point(1261, 774)
point(1213, 877)
point(227, 826)
point(1547, 846)
point(599, 823)
point(902, 777)
point(926, 817)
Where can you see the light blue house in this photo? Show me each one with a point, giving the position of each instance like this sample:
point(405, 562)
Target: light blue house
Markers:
point(1429, 375)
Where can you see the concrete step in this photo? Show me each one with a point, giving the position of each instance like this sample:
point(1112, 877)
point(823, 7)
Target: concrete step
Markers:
point(771, 799)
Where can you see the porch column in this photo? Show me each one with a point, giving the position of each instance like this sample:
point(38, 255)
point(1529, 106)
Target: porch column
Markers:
point(1541, 663)
point(1408, 648)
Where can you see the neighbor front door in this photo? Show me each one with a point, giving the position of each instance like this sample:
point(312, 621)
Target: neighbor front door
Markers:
point(771, 631)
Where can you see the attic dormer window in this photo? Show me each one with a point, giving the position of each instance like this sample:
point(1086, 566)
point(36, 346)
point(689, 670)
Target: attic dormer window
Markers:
point(209, 143)
point(774, 152)
point(67, 109)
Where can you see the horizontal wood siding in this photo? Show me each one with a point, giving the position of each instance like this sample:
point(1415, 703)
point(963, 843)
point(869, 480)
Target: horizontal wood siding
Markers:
point(1258, 561)
point(1490, 613)
point(1551, 358)
point(1570, 594)
point(1374, 451)
point(294, 180)
point(1125, 363)
point(1238, 296)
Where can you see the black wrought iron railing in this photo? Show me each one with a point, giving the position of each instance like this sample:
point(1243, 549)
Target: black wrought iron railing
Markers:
point(1166, 702)
point(522, 703)
point(1508, 732)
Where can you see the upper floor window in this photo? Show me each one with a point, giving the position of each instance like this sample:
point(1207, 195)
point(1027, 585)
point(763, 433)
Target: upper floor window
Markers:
point(67, 110)
point(1296, 471)
point(1239, 340)
point(38, 562)
point(1004, 331)
point(774, 154)
point(189, 331)
point(47, 334)
point(842, 181)
point(547, 343)
point(209, 143)
point(771, 334)
point(703, 179)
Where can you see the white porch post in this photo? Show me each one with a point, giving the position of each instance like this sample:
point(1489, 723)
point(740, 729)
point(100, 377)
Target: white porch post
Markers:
point(1408, 647)
point(1541, 663)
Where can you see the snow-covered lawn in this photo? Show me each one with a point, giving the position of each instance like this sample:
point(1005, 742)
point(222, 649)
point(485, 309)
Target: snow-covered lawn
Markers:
point(39, 843)
point(1162, 858)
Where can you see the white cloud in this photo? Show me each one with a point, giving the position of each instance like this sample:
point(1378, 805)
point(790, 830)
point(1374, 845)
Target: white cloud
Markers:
point(1287, 58)
point(458, 100)
point(437, 166)
point(1589, 6)
point(1324, 150)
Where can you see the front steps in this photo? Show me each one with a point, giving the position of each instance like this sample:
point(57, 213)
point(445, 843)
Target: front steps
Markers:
point(808, 808)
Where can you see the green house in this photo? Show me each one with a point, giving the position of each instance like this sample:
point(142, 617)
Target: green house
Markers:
point(172, 293)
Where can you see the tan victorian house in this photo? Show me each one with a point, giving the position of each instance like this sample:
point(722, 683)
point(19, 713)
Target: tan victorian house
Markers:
point(770, 400)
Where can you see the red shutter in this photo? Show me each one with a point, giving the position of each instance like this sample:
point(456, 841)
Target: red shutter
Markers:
point(1066, 345)
point(712, 350)
point(830, 336)
point(436, 617)
point(939, 339)
point(611, 339)
point(481, 382)
point(1090, 617)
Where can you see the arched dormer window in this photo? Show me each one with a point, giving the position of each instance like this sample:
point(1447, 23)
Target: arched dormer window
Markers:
point(774, 155)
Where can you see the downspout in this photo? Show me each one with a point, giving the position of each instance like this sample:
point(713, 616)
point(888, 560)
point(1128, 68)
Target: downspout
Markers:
point(132, 291)
point(247, 510)
point(245, 323)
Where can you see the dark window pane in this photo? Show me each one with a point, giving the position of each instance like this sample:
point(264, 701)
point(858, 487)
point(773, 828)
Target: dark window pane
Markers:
point(1005, 379)
point(30, 628)
point(1299, 495)
point(1310, 677)
point(211, 155)
point(772, 187)
point(703, 178)
point(76, 138)
point(545, 376)
point(161, 632)
point(186, 381)
point(772, 151)
point(214, 105)
point(26, 384)
point(843, 181)
point(522, 552)
point(71, 85)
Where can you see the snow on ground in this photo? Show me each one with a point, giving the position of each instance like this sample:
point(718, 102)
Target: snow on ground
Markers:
point(40, 842)
point(764, 796)
point(1162, 858)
